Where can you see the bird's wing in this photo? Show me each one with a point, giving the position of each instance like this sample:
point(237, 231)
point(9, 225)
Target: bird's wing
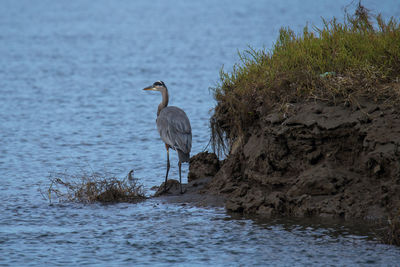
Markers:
point(174, 128)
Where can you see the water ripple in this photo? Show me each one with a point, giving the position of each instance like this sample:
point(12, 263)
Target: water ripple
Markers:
point(71, 79)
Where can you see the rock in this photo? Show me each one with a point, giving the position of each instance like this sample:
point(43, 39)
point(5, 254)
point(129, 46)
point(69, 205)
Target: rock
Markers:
point(202, 165)
point(234, 205)
point(319, 160)
point(173, 187)
point(321, 180)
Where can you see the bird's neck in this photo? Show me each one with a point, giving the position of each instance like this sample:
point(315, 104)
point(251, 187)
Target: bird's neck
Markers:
point(164, 101)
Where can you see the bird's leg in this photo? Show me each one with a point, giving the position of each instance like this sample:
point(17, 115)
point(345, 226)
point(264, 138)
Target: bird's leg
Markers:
point(180, 178)
point(166, 175)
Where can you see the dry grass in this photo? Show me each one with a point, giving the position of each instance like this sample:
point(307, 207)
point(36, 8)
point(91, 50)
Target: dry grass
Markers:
point(338, 64)
point(94, 187)
point(391, 233)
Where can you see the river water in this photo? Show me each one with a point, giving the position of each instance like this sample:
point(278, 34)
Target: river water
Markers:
point(71, 74)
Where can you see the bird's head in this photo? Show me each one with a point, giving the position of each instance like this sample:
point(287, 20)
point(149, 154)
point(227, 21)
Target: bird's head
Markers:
point(157, 86)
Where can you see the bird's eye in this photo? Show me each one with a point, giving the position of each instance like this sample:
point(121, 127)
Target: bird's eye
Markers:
point(158, 83)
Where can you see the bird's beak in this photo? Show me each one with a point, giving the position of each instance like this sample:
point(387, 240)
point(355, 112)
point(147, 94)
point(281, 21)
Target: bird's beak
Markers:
point(150, 88)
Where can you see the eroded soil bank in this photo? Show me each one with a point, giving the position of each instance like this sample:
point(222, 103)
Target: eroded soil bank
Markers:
point(313, 159)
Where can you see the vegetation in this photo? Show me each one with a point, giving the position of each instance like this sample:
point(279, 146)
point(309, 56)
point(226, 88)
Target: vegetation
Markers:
point(338, 64)
point(89, 188)
point(391, 234)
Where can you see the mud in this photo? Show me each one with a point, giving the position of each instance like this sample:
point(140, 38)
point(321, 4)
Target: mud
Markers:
point(314, 159)
point(194, 193)
point(202, 165)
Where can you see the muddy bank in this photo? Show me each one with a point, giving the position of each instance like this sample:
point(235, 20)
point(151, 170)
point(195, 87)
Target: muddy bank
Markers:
point(314, 159)
point(194, 193)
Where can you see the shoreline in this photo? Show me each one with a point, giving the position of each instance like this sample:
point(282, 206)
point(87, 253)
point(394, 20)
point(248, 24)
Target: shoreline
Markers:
point(194, 193)
point(315, 160)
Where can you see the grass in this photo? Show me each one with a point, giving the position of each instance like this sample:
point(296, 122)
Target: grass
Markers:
point(336, 63)
point(391, 234)
point(94, 187)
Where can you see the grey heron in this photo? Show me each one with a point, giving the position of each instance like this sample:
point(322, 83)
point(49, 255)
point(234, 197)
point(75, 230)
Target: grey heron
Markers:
point(174, 128)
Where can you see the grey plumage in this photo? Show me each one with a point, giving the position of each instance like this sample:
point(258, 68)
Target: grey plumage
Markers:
point(174, 128)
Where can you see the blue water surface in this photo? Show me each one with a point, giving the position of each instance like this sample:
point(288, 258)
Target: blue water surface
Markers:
point(71, 74)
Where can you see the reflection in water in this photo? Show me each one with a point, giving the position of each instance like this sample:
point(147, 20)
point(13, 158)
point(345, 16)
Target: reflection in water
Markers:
point(71, 75)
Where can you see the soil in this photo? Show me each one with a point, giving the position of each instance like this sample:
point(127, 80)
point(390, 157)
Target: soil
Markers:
point(193, 193)
point(314, 159)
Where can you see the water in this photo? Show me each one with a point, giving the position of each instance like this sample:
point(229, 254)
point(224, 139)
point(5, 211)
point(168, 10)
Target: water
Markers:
point(71, 75)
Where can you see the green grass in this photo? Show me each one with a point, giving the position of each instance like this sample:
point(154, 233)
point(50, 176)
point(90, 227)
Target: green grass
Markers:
point(336, 63)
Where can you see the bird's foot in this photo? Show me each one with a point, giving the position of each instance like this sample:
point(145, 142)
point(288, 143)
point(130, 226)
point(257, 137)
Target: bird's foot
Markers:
point(183, 191)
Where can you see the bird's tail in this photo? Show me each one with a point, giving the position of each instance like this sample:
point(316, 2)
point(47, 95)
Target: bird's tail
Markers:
point(183, 157)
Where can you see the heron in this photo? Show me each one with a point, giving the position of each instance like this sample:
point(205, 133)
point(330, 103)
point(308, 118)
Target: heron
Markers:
point(174, 127)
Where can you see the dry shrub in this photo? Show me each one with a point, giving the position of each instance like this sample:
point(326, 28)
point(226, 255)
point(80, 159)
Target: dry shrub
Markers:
point(94, 187)
point(391, 233)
